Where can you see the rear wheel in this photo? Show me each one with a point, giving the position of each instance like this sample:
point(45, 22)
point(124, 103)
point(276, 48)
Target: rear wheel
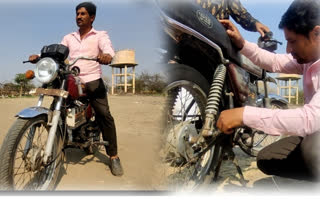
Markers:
point(184, 117)
point(21, 156)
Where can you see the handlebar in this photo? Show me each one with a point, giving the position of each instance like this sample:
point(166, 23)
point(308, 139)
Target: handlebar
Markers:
point(29, 61)
point(82, 57)
point(70, 64)
point(76, 70)
point(268, 43)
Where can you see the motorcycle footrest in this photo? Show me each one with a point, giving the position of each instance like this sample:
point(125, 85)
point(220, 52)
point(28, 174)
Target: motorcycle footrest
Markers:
point(102, 143)
point(69, 146)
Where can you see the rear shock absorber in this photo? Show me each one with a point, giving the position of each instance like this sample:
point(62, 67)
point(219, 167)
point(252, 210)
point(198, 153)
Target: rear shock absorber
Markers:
point(213, 100)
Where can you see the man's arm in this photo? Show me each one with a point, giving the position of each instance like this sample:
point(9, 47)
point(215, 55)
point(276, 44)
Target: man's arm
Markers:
point(244, 18)
point(105, 46)
point(279, 63)
point(296, 122)
point(64, 41)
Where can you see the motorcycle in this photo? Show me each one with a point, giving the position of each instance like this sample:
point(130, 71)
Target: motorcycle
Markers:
point(206, 75)
point(32, 153)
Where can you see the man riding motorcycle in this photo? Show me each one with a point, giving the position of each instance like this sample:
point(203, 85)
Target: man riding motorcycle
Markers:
point(90, 42)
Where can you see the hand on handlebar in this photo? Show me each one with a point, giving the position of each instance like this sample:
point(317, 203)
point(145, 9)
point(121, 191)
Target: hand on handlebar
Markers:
point(262, 29)
point(104, 59)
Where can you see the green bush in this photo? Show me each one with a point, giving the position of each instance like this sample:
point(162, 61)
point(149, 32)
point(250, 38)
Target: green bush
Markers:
point(149, 83)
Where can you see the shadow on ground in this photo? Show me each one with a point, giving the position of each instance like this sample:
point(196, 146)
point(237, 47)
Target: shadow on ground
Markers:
point(75, 156)
point(256, 182)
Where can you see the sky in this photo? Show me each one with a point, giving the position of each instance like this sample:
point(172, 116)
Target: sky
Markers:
point(28, 25)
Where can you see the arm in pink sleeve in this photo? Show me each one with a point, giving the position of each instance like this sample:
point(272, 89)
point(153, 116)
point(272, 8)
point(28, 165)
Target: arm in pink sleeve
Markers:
point(279, 63)
point(64, 41)
point(105, 44)
point(298, 122)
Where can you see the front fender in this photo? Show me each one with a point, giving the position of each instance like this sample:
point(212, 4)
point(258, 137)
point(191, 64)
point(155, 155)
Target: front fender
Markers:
point(278, 98)
point(272, 97)
point(32, 112)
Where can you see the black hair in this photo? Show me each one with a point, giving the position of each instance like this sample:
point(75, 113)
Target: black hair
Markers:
point(301, 17)
point(90, 7)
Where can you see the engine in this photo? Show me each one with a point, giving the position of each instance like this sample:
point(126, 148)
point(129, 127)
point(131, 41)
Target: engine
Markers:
point(76, 116)
point(81, 123)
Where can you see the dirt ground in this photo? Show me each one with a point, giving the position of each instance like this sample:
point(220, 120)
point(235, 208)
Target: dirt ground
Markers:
point(256, 181)
point(138, 128)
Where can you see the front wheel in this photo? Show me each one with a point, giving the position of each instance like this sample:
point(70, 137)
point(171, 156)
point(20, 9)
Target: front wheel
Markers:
point(21, 155)
point(256, 140)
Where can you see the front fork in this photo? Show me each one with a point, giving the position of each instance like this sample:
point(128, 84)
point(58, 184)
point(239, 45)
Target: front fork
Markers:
point(54, 125)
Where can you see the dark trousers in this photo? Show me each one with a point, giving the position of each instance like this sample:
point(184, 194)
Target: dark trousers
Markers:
point(97, 93)
point(292, 157)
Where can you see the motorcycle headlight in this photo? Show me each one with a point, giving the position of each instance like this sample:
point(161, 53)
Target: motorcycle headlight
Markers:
point(46, 70)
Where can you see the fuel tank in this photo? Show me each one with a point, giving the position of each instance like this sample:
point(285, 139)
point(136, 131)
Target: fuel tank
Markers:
point(245, 92)
point(200, 20)
point(72, 87)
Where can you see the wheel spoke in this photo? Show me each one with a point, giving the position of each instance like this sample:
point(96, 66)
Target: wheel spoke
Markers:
point(187, 109)
point(18, 168)
point(29, 147)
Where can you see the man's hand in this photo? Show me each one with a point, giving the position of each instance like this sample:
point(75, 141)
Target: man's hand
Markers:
point(34, 58)
point(104, 59)
point(261, 28)
point(233, 33)
point(230, 119)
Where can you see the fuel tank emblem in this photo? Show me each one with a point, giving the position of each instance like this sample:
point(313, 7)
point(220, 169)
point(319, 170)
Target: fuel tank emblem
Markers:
point(204, 19)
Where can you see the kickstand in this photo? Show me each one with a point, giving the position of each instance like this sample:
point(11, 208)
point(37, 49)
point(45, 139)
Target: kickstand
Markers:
point(235, 162)
point(227, 153)
point(232, 156)
point(217, 169)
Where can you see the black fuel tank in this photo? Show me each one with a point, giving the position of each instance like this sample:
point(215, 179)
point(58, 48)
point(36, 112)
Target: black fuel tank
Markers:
point(200, 20)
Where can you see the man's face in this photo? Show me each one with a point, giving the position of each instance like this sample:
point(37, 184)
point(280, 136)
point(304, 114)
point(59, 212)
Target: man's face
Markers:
point(83, 18)
point(302, 48)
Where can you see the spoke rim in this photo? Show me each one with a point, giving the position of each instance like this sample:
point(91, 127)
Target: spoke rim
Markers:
point(193, 115)
point(28, 179)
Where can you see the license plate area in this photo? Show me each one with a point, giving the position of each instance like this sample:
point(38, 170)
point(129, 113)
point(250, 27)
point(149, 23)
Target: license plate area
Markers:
point(50, 92)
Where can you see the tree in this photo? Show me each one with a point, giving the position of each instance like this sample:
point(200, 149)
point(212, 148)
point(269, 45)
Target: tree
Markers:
point(149, 83)
point(22, 82)
point(9, 89)
point(107, 82)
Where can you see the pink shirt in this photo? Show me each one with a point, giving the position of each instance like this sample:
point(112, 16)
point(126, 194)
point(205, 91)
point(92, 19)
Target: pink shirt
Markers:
point(90, 46)
point(298, 122)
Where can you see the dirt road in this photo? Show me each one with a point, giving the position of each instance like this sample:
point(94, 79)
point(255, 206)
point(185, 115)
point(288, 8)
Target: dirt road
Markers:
point(137, 122)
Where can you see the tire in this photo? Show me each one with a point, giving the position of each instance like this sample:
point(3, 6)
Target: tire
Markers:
point(185, 109)
point(16, 142)
point(260, 139)
point(275, 104)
